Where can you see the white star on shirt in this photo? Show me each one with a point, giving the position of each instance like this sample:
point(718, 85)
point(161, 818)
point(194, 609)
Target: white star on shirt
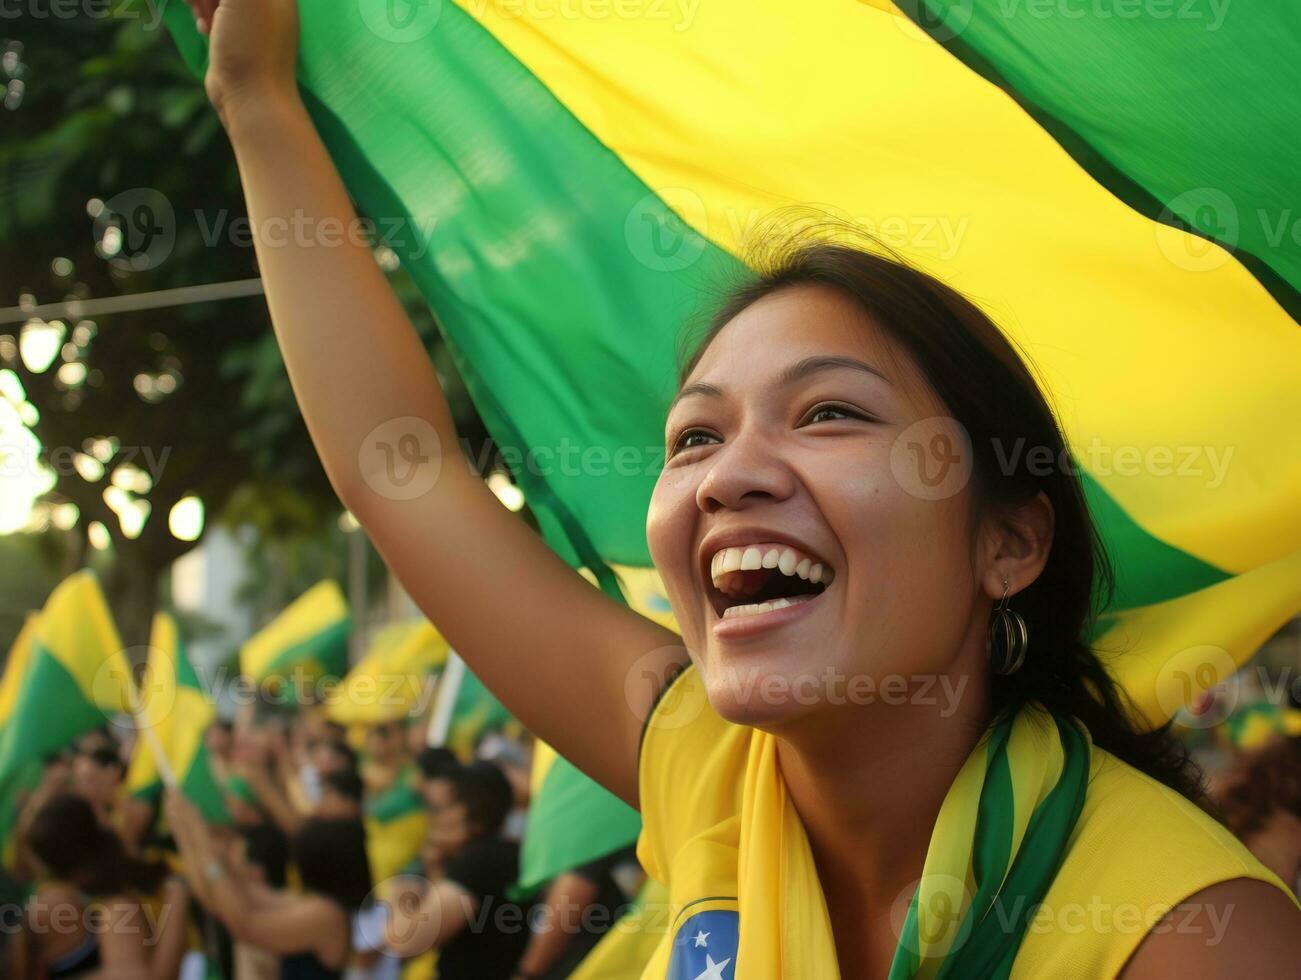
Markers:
point(701, 938)
point(713, 971)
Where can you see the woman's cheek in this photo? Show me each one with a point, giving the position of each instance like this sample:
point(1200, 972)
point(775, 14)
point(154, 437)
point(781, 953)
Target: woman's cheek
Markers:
point(669, 518)
point(670, 523)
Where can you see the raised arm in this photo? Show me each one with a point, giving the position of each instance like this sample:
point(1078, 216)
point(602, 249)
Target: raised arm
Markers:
point(553, 649)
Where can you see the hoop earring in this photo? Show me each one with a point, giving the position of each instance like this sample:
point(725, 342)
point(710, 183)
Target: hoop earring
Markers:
point(1008, 638)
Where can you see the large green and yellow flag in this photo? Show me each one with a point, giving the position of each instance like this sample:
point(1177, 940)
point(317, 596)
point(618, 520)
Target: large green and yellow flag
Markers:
point(393, 678)
point(306, 642)
point(1117, 191)
point(173, 713)
point(68, 674)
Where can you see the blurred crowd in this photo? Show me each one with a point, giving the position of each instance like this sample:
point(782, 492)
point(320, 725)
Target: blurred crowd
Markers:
point(140, 886)
point(368, 854)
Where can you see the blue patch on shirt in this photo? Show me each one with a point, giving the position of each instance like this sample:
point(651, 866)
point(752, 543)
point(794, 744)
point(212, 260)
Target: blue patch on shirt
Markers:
point(704, 947)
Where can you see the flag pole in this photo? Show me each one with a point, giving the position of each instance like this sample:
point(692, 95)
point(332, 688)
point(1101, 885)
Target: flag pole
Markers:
point(440, 721)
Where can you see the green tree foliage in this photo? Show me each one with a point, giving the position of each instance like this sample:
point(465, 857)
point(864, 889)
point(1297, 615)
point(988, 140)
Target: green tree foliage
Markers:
point(116, 179)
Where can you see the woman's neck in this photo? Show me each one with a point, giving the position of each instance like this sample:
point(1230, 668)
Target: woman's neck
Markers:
point(868, 786)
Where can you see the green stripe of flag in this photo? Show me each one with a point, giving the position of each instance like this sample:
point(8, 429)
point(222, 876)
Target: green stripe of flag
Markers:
point(1147, 570)
point(398, 800)
point(1002, 918)
point(1162, 104)
point(199, 785)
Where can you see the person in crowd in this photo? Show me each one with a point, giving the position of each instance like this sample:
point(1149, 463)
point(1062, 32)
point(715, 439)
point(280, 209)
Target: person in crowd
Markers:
point(56, 779)
point(97, 911)
point(578, 908)
point(315, 745)
point(386, 762)
point(259, 857)
point(1260, 799)
point(514, 757)
point(416, 731)
point(436, 765)
point(315, 750)
point(341, 796)
point(310, 930)
point(136, 820)
point(97, 775)
point(219, 739)
point(334, 755)
point(257, 760)
point(463, 908)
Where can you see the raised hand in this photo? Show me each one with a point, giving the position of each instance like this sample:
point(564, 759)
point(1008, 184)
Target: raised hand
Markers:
point(252, 49)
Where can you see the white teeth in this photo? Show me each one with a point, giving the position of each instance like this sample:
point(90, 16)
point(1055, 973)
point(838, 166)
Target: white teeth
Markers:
point(758, 608)
point(755, 557)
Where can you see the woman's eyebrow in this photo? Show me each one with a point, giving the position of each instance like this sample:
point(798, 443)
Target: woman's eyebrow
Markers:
point(796, 372)
point(816, 365)
point(696, 388)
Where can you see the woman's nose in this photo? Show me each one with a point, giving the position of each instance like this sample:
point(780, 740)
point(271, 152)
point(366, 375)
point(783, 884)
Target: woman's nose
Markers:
point(745, 471)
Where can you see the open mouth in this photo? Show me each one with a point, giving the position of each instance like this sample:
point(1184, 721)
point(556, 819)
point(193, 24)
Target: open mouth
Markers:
point(754, 579)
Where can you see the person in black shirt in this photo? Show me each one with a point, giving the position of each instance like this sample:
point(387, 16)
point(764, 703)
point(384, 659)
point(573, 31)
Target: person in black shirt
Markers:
point(463, 910)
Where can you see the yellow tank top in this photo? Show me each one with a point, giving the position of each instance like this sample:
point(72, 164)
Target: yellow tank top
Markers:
point(1138, 849)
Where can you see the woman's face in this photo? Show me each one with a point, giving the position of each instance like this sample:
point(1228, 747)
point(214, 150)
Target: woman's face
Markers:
point(791, 443)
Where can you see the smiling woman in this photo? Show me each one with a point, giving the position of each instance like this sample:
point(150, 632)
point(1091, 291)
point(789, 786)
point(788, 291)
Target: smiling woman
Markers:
point(847, 521)
point(838, 513)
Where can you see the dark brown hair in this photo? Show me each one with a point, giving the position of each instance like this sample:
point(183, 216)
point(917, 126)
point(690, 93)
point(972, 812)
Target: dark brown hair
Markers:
point(330, 855)
point(67, 838)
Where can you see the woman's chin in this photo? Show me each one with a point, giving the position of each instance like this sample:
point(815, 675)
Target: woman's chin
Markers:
point(758, 696)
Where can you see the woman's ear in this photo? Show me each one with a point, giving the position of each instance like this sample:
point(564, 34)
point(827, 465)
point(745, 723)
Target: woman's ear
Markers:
point(1019, 540)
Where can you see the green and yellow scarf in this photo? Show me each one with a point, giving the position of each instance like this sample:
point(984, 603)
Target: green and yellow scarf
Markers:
point(999, 839)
